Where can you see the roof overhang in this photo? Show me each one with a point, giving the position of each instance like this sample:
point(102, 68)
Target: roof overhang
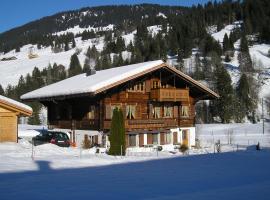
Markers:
point(15, 108)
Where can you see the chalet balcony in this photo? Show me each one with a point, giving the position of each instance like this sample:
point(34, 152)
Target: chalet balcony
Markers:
point(169, 94)
point(147, 123)
point(76, 124)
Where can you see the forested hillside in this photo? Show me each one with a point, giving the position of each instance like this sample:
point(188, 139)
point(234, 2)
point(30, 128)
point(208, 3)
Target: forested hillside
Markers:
point(110, 36)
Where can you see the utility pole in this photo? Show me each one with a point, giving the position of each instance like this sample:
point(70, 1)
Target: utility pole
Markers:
point(263, 115)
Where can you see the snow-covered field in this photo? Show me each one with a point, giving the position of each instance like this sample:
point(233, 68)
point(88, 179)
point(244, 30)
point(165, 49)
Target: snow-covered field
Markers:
point(61, 173)
point(52, 172)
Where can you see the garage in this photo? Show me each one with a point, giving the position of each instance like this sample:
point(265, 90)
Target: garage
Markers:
point(10, 111)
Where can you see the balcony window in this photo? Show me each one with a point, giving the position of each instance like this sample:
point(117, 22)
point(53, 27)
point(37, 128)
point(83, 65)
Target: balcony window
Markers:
point(156, 112)
point(91, 113)
point(168, 111)
point(109, 110)
point(130, 111)
point(185, 111)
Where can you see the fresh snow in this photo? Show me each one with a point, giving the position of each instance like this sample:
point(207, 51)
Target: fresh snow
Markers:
point(15, 103)
point(85, 84)
point(12, 70)
point(218, 36)
point(71, 173)
point(160, 14)
point(51, 172)
point(77, 30)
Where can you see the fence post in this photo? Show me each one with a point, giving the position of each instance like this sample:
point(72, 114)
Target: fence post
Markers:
point(32, 155)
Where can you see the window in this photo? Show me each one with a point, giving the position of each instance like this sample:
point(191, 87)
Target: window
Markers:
point(132, 140)
point(91, 113)
point(168, 111)
point(109, 110)
point(155, 138)
point(155, 84)
point(167, 138)
point(139, 87)
point(156, 112)
point(130, 111)
point(185, 111)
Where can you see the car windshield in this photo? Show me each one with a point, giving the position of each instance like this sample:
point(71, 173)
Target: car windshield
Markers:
point(44, 134)
point(61, 136)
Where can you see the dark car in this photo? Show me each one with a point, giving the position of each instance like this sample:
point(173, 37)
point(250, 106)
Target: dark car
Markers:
point(59, 138)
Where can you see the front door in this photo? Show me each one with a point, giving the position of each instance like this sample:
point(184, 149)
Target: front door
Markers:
point(185, 137)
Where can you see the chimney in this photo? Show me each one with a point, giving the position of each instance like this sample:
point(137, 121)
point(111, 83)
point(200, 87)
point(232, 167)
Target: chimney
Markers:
point(90, 72)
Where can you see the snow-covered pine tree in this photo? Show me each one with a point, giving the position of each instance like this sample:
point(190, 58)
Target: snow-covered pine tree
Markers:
point(74, 66)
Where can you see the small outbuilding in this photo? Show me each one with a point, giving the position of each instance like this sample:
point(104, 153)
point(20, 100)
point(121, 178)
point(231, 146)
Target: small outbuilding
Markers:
point(10, 110)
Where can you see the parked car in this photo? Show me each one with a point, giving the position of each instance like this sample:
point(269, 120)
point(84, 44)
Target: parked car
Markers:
point(58, 138)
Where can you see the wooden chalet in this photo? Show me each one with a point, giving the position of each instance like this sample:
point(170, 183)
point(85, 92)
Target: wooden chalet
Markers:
point(157, 101)
point(10, 110)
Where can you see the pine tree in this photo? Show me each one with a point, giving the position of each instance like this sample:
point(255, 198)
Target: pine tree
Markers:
point(2, 92)
point(74, 66)
point(115, 148)
point(244, 56)
point(244, 94)
point(73, 43)
point(117, 133)
point(226, 43)
point(86, 66)
point(225, 90)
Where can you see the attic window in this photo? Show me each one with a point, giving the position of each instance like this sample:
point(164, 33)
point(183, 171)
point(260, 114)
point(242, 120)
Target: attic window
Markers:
point(139, 87)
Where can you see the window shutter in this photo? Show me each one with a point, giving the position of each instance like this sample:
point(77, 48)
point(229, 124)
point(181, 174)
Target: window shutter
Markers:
point(108, 112)
point(175, 111)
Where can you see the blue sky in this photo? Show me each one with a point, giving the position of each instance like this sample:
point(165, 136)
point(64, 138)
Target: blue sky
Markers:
point(14, 13)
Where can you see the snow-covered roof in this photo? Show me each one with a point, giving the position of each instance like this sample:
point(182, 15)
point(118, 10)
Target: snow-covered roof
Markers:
point(90, 84)
point(12, 103)
point(102, 80)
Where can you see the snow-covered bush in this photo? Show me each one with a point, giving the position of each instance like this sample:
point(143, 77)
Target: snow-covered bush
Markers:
point(183, 148)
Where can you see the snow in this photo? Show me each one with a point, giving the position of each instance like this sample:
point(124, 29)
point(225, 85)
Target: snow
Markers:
point(77, 30)
point(220, 34)
point(68, 173)
point(11, 70)
point(160, 14)
point(52, 172)
point(85, 84)
point(15, 103)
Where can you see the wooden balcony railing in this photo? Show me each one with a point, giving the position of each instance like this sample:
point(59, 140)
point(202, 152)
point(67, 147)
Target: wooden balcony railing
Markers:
point(170, 94)
point(69, 124)
point(146, 123)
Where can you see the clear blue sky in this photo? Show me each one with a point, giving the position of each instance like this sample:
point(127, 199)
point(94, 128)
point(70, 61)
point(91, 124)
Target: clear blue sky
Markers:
point(14, 13)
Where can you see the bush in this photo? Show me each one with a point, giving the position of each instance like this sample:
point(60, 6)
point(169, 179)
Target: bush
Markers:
point(227, 58)
point(183, 148)
point(86, 144)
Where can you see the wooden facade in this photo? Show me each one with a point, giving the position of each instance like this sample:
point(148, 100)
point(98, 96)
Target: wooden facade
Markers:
point(152, 102)
point(8, 120)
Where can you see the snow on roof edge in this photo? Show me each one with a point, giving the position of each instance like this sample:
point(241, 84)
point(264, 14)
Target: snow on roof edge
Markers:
point(56, 89)
point(16, 104)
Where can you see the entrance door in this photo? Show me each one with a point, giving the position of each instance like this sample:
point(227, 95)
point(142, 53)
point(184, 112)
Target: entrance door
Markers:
point(185, 137)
